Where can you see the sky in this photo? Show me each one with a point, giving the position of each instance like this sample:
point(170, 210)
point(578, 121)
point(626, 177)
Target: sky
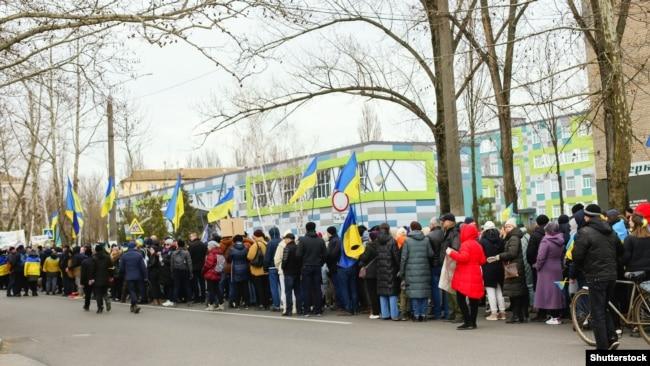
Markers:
point(177, 82)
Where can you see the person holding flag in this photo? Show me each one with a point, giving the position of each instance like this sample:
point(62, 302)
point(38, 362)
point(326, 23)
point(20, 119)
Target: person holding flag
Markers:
point(347, 268)
point(74, 211)
point(307, 181)
point(175, 206)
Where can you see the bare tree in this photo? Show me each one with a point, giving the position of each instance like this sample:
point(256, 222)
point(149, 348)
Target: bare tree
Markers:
point(369, 128)
point(131, 132)
point(91, 194)
point(205, 158)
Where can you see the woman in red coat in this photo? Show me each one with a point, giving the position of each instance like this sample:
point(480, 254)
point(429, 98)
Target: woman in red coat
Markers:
point(468, 278)
point(211, 276)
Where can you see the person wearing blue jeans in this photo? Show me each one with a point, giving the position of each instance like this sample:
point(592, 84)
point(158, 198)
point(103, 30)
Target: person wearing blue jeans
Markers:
point(419, 307)
point(269, 265)
point(347, 281)
point(439, 300)
point(389, 308)
point(274, 284)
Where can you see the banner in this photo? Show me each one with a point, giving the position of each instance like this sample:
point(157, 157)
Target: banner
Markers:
point(39, 239)
point(12, 238)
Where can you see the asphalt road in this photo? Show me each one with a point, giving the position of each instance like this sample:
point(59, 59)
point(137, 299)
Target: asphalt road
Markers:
point(55, 331)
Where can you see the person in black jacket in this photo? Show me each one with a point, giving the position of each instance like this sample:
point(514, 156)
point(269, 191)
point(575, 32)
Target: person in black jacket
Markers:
point(333, 255)
point(637, 246)
point(436, 236)
point(451, 240)
point(100, 277)
point(154, 269)
point(198, 250)
point(87, 269)
point(531, 256)
point(493, 275)
point(291, 267)
point(312, 252)
point(595, 253)
point(388, 265)
point(368, 261)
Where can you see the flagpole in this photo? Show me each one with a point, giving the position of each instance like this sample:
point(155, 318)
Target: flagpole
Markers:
point(313, 202)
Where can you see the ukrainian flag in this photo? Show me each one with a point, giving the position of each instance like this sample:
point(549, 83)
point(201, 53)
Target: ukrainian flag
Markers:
point(109, 198)
point(349, 180)
point(569, 248)
point(307, 181)
point(225, 204)
point(73, 210)
point(506, 213)
point(54, 226)
point(352, 242)
point(175, 206)
point(4, 265)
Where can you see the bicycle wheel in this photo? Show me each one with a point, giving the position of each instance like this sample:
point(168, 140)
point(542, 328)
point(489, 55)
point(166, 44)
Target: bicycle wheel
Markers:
point(581, 317)
point(642, 315)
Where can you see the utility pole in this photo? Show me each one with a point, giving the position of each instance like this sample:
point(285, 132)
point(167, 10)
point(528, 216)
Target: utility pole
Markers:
point(112, 216)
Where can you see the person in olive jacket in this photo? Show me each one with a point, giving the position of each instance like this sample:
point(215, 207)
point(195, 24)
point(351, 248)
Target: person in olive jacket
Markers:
point(388, 265)
point(514, 287)
point(416, 270)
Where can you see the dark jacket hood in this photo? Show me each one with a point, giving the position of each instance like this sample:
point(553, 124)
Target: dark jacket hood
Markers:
point(491, 235)
point(274, 233)
point(384, 238)
point(416, 234)
point(600, 225)
point(515, 232)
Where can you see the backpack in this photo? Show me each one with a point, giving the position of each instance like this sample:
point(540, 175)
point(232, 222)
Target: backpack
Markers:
point(258, 260)
point(221, 263)
point(178, 260)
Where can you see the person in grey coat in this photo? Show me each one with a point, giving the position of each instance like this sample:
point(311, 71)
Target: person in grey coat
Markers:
point(515, 288)
point(415, 270)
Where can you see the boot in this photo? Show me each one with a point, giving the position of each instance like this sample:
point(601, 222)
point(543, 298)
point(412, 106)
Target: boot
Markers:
point(107, 300)
point(136, 309)
point(100, 310)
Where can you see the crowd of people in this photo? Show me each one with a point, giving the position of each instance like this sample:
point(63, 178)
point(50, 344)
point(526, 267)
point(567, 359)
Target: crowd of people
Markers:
point(440, 272)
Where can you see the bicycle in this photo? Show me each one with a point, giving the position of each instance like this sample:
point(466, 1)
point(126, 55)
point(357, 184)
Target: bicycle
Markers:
point(638, 314)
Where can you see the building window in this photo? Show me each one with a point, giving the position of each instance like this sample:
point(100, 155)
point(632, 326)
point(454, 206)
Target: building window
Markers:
point(260, 196)
point(586, 182)
point(486, 192)
point(555, 187)
point(242, 194)
point(289, 186)
point(556, 211)
point(570, 183)
point(487, 146)
point(584, 129)
point(515, 142)
point(494, 168)
point(565, 132)
point(536, 139)
point(323, 186)
point(539, 187)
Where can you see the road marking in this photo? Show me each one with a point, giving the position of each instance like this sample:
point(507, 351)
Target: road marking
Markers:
point(81, 335)
point(307, 320)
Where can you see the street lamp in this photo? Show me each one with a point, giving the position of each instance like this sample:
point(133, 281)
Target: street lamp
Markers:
point(381, 182)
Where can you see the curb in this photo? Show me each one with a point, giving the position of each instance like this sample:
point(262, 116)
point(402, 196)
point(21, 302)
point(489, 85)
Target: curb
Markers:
point(0, 344)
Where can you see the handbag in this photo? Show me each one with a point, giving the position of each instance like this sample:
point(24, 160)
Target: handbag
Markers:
point(510, 270)
point(447, 275)
point(363, 272)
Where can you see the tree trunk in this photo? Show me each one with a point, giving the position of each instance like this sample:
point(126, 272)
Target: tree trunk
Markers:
point(472, 143)
point(558, 173)
point(617, 122)
point(449, 170)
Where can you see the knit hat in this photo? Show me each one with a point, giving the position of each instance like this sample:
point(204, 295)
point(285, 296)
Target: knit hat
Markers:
point(448, 217)
point(511, 222)
point(612, 214)
point(542, 220)
point(212, 244)
point(593, 210)
point(489, 225)
point(469, 220)
point(131, 245)
point(258, 233)
point(563, 219)
point(577, 207)
point(289, 235)
point(331, 230)
point(643, 210)
point(552, 227)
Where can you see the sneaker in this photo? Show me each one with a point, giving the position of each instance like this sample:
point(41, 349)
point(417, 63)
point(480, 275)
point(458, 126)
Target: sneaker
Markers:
point(219, 308)
point(554, 321)
point(108, 305)
point(501, 316)
point(614, 346)
point(492, 317)
point(168, 304)
point(210, 308)
point(374, 316)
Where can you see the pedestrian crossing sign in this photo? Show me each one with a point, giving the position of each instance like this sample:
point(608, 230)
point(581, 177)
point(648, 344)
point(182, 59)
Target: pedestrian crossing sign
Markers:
point(49, 233)
point(135, 228)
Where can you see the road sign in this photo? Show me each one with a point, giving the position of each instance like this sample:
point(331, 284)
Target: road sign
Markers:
point(340, 201)
point(135, 228)
point(49, 233)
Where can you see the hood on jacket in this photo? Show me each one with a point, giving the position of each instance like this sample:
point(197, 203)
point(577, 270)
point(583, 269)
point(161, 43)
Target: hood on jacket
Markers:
point(416, 234)
point(274, 233)
point(600, 225)
point(239, 245)
point(580, 218)
point(384, 238)
point(556, 239)
point(491, 235)
point(515, 232)
point(468, 232)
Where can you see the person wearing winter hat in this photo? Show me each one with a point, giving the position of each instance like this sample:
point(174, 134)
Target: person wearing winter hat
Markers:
point(493, 244)
point(212, 269)
point(643, 210)
point(255, 256)
point(531, 254)
point(595, 253)
point(637, 246)
point(616, 221)
point(549, 269)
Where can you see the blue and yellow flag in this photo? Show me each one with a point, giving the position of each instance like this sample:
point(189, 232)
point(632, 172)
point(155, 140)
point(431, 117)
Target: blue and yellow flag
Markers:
point(349, 180)
point(225, 204)
point(54, 220)
point(4, 266)
point(109, 198)
point(352, 242)
point(307, 181)
point(506, 213)
point(73, 210)
point(175, 206)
